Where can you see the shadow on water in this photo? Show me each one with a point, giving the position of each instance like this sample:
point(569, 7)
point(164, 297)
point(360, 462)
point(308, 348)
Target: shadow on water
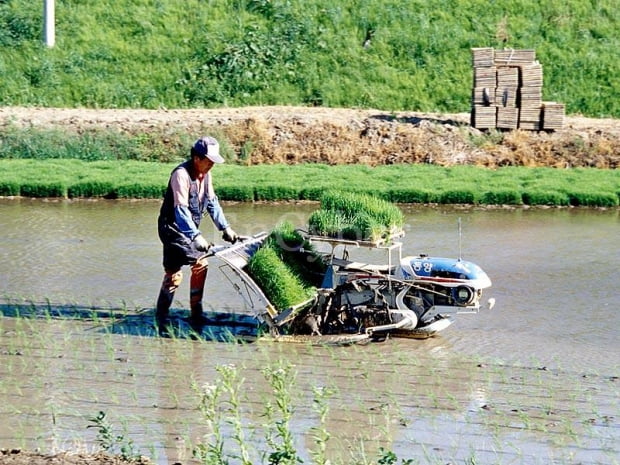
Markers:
point(221, 326)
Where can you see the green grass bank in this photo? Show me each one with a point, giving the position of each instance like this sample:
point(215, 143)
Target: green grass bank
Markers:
point(385, 54)
point(396, 183)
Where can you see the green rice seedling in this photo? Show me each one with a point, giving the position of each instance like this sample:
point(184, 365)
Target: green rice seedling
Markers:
point(9, 188)
point(408, 195)
point(43, 189)
point(236, 193)
point(355, 216)
point(311, 193)
point(363, 226)
point(458, 196)
point(284, 238)
point(140, 190)
point(276, 192)
point(280, 285)
point(127, 177)
point(90, 189)
point(351, 203)
point(326, 223)
point(593, 199)
point(552, 198)
point(501, 197)
point(298, 254)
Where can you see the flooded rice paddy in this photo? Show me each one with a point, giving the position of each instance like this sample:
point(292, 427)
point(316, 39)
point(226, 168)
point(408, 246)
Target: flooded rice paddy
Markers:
point(535, 380)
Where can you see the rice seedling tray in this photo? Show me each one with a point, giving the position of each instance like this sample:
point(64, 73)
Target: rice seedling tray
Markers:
point(383, 242)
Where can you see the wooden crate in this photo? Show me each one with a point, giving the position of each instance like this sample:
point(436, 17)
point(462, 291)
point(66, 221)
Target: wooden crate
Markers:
point(483, 96)
point(485, 77)
point(530, 96)
point(530, 113)
point(507, 76)
point(507, 92)
point(482, 57)
point(530, 125)
point(511, 57)
point(483, 117)
point(530, 118)
point(553, 115)
point(507, 117)
point(531, 75)
point(506, 97)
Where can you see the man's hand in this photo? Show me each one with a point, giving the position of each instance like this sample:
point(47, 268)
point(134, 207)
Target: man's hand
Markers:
point(230, 236)
point(201, 243)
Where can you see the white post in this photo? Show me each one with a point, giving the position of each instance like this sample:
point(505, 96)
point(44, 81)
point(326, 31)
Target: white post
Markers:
point(49, 27)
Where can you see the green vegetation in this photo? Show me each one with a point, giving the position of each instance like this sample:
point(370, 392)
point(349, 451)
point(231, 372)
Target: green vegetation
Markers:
point(298, 254)
point(280, 285)
point(391, 55)
point(94, 144)
point(395, 183)
point(276, 268)
point(355, 216)
point(112, 443)
point(220, 406)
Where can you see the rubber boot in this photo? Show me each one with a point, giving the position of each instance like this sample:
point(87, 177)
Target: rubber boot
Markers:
point(196, 291)
point(169, 286)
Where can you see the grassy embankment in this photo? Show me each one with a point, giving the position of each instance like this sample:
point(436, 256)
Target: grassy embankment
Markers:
point(392, 56)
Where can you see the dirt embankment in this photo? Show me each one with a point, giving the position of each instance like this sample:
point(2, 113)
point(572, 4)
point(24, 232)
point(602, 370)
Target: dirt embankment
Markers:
point(20, 457)
point(284, 134)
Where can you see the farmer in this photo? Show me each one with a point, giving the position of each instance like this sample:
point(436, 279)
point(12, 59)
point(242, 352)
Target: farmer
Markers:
point(188, 197)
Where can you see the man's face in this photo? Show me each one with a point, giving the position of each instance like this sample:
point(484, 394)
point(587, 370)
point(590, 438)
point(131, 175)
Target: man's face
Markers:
point(202, 165)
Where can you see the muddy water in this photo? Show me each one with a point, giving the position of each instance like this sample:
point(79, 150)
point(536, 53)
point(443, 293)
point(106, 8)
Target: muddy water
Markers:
point(535, 380)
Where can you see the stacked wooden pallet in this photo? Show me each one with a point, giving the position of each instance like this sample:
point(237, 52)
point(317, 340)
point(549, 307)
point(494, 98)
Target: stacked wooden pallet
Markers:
point(484, 117)
point(507, 118)
point(483, 57)
point(530, 118)
point(507, 92)
point(552, 115)
point(511, 57)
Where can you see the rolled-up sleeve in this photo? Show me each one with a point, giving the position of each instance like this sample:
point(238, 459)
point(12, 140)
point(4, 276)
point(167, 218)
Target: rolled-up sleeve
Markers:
point(216, 213)
point(212, 205)
point(183, 219)
point(180, 183)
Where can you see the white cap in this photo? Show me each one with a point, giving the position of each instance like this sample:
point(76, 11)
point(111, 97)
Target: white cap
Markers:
point(208, 147)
